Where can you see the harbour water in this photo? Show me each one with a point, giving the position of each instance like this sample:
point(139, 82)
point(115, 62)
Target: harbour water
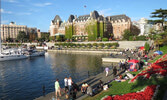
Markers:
point(23, 79)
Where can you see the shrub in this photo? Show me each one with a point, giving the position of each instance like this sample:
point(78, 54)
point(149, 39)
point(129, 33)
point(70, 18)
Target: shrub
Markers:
point(147, 46)
point(131, 38)
point(116, 44)
point(104, 39)
point(101, 44)
point(89, 45)
point(95, 44)
point(108, 44)
point(82, 44)
point(142, 38)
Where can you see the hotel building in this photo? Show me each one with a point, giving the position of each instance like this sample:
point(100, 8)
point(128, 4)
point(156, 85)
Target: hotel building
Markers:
point(112, 24)
point(12, 30)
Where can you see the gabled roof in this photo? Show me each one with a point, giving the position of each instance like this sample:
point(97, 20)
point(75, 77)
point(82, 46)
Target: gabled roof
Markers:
point(95, 14)
point(71, 18)
point(83, 17)
point(57, 18)
point(119, 17)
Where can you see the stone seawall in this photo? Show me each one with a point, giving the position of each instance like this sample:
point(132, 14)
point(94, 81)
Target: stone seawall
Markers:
point(82, 51)
point(122, 44)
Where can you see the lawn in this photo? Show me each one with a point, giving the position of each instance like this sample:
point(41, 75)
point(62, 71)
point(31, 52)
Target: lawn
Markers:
point(118, 88)
point(164, 50)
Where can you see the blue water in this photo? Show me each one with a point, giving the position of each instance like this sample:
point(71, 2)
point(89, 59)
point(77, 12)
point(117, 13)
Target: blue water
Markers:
point(23, 79)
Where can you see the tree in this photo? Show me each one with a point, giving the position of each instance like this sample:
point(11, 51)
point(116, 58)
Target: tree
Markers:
point(127, 34)
point(147, 46)
point(9, 39)
point(135, 30)
point(69, 31)
point(161, 14)
point(22, 36)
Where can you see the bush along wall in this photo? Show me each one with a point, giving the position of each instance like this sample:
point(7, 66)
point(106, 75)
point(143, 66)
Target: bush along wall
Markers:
point(88, 45)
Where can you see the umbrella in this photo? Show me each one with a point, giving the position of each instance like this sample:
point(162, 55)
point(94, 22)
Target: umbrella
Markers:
point(133, 61)
point(158, 52)
point(141, 48)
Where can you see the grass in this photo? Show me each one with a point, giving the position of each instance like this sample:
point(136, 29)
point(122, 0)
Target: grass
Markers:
point(119, 88)
point(164, 50)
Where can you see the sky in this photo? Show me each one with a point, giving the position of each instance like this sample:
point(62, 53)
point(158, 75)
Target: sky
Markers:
point(39, 13)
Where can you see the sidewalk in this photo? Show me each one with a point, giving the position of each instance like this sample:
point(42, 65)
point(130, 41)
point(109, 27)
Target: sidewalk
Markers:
point(92, 80)
point(165, 96)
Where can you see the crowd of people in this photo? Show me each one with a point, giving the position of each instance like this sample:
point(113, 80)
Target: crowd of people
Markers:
point(71, 88)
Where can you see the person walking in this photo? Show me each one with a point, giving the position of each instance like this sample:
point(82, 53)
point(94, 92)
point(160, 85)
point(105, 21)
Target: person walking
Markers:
point(57, 88)
point(66, 84)
point(69, 85)
point(106, 70)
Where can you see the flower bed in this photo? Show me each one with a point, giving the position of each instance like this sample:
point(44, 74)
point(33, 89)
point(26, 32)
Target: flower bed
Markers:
point(148, 93)
point(159, 67)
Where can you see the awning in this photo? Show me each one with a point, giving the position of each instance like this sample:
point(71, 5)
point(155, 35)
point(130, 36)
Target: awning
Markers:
point(59, 34)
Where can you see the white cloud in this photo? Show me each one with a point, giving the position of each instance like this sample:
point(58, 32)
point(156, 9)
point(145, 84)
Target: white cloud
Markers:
point(5, 12)
point(42, 4)
point(24, 13)
point(4, 21)
point(106, 12)
point(11, 1)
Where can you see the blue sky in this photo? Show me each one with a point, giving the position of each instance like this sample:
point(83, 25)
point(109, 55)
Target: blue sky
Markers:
point(39, 13)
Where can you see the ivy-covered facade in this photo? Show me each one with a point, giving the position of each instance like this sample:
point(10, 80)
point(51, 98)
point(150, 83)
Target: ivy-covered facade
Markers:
point(92, 26)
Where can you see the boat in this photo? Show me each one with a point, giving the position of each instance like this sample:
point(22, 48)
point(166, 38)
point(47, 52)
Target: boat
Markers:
point(10, 54)
point(34, 53)
point(42, 47)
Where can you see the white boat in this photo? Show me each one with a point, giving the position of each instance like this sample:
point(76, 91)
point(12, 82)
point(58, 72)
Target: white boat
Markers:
point(34, 53)
point(42, 47)
point(4, 57)
point(10, 54)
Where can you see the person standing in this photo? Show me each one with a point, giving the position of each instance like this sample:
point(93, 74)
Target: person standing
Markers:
point(57, 87)
point(114, 71)
point(69, 85)
point(66, 84)
point(106, 70)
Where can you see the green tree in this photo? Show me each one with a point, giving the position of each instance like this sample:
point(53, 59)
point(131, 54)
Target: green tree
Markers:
point(161, 14)
point(101, 29)
point(22, 37)
point(69, 30)
point(135, 30)
point(44, 37)
point(147, 46)
point(9, 39)
point(127, 34)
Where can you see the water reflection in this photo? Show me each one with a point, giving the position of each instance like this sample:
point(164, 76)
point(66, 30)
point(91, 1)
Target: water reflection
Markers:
point(23, 79)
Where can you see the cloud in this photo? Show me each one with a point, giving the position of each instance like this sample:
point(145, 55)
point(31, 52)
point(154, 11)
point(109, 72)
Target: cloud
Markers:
point(5, 12)
point(106, 12)
point(11, 1)
point(24, 13)
point(4, 21)
point(43, 4)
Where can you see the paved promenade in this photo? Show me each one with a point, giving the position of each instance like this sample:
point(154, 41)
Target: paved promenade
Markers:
point(92, 80)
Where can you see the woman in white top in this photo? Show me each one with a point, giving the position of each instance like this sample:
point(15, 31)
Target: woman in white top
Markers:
point(69, 84)
point(66, 84)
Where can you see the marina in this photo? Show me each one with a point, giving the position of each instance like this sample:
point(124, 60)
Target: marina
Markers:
point(23, 79)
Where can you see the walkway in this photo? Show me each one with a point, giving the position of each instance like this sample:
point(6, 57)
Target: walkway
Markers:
point(93, 81)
